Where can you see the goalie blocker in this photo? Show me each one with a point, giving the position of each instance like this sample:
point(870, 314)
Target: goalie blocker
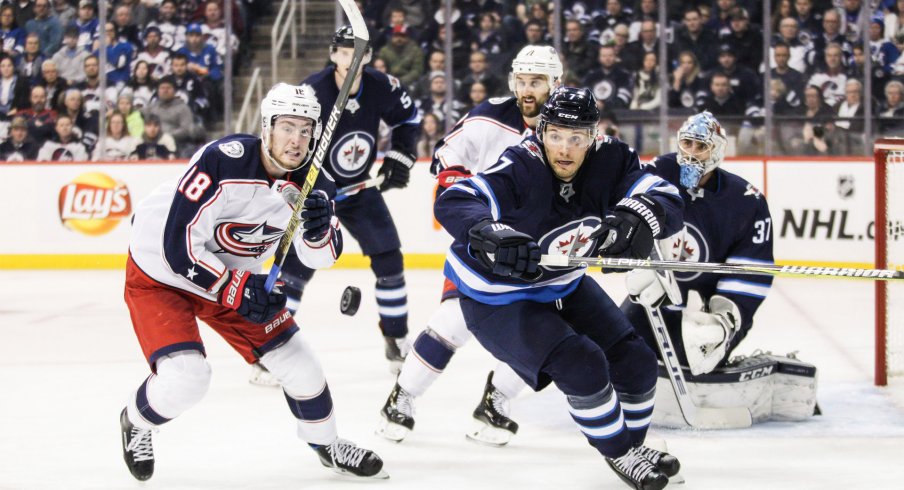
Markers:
point(772, 387)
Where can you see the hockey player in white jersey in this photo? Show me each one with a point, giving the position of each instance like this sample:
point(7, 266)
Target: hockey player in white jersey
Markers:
point(195, 244)
point(474, 144)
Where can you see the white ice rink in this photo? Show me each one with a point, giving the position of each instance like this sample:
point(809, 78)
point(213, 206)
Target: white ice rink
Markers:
point(69, 359)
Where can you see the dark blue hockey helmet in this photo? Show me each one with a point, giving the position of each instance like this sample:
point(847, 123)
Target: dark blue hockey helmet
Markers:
point(571, 107)
point(344, 37)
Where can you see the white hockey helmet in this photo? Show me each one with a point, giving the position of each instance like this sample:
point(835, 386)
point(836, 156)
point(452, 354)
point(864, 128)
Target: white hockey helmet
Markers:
point(289, 100)
point(539, 60)
point(701, 128)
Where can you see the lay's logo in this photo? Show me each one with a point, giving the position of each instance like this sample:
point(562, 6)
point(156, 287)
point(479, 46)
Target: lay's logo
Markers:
point(94, 203)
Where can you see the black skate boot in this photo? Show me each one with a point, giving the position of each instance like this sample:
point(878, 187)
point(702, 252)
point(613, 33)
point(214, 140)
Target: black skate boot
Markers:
point(494, 427)
point(137, 448)
point(663, 461)
point(398, 415)
point(637, 471)
point(396, 350)
point(345, 458)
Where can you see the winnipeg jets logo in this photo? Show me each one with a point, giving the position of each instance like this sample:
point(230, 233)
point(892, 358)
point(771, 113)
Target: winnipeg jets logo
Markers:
point(752, 191)
point(532, 148)
point(572, 239)
point(246, 240)
point(352, 106)
point(691, 247)
point(351, 154)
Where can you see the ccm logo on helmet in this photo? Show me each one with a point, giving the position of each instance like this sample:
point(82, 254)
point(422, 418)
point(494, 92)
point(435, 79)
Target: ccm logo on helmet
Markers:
point(567, 116)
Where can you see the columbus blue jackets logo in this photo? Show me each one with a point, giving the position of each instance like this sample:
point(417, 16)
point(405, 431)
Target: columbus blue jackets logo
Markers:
point(572, 239)
point(691, 247)
point(351, 154)
point(246, 240)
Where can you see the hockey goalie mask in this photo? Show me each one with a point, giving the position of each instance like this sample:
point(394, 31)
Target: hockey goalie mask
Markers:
point(537, 60)
point(289, 100)
point(701, 148)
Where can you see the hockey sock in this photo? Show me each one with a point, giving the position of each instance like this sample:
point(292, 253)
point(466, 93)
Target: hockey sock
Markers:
point(507, 381)
point(638, 413)
point(431, 356)
point(316, 424)
point(600, 418)
point(392, 297)
point(181, 381)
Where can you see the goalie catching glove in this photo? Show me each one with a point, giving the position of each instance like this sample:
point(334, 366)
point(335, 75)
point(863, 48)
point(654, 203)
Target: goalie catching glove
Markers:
point(505, 251)
point(628, 231)
point(396, 169)
point(245, 293)
point(707, 334)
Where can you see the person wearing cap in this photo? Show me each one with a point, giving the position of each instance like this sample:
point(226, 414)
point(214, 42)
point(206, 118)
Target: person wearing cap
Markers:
point(156, 56)
point(155, 144)
point(47, 27)
point(204, 62)
point(87, 24)
point(70, 59)
point(744, 39)
point(404, 59)
point(18, 147)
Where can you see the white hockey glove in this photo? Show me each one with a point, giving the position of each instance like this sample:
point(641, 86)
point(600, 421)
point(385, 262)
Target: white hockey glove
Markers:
point(707, 335)
point(645, 287)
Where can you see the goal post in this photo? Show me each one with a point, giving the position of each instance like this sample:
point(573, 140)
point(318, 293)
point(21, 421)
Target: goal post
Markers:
point(889, 244)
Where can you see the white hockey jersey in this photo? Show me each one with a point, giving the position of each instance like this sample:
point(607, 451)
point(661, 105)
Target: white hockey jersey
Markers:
point(478, 139)
point(224, 213)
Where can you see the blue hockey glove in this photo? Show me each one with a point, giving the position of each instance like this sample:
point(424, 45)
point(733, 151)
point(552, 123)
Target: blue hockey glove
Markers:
point(396, 169)
point(317, 212)
point(245, 293)
point(629, 229)
point(505, 251)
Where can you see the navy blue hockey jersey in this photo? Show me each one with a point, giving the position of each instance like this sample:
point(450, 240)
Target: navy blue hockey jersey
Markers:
point(522, 192)
point(727, 220)
point(354, 145)
point(223, 213)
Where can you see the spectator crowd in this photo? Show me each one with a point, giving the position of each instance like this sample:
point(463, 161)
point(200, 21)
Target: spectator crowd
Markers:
point(163, 75)
point(164, 70)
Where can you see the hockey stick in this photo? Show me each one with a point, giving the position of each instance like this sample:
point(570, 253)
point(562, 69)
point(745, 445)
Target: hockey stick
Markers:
point(726, 268)
point(351, 190)
point(361, 39)
point(696, 417)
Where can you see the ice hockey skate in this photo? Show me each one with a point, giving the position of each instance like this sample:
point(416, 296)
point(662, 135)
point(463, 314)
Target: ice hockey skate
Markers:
point(398, 415)
point(492, 424)
point(663, 461)
point(261, 376)
point(396, 350)
point(637, 471)
point(137, 448)
point(346, 458)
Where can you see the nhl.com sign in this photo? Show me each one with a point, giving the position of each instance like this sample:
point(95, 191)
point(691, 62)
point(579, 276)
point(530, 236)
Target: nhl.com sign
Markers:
point(94, 203)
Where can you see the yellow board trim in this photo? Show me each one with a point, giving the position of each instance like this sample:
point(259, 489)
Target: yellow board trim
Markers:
point(347, 261)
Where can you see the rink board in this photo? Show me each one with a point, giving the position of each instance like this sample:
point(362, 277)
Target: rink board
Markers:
point(76, 215)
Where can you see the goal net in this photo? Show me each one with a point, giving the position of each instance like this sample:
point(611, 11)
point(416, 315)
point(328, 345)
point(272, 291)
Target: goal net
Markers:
point(889, 228)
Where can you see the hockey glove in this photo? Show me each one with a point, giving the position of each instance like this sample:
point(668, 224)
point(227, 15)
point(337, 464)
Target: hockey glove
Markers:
point(245, 293)
point(645, 288)
point(505, 251)
point(317, 212)
point(448, 177)
point(396, 169)
point(707, 335)
point(628, 231)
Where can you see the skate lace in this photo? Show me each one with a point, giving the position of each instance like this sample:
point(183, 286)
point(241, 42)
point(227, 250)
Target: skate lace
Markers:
point(346, 453)
point(500, 402)
point(140, 445)
point(404, 403)
point(635, 465)
point(650, 454)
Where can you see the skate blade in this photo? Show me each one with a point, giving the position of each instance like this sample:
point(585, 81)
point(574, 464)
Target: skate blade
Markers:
point(391, 431)
point(382, 475)
point(488, 435)
point(678, 479)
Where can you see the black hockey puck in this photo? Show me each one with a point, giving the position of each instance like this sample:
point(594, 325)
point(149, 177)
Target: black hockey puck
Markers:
point(351, 300)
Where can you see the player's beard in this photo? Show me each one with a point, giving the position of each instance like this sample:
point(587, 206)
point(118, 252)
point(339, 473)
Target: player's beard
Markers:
point(535, 111)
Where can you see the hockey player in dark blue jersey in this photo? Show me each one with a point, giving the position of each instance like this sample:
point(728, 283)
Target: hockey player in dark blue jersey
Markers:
point(726, 220)
point(374, 97)
point(565, 191)
point(196, 243)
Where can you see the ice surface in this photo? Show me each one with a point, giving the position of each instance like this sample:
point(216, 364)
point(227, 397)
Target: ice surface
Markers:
point(69, 359)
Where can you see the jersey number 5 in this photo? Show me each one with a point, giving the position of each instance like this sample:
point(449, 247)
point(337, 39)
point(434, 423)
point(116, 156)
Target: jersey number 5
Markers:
point(195, 189)
point(762, 230)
